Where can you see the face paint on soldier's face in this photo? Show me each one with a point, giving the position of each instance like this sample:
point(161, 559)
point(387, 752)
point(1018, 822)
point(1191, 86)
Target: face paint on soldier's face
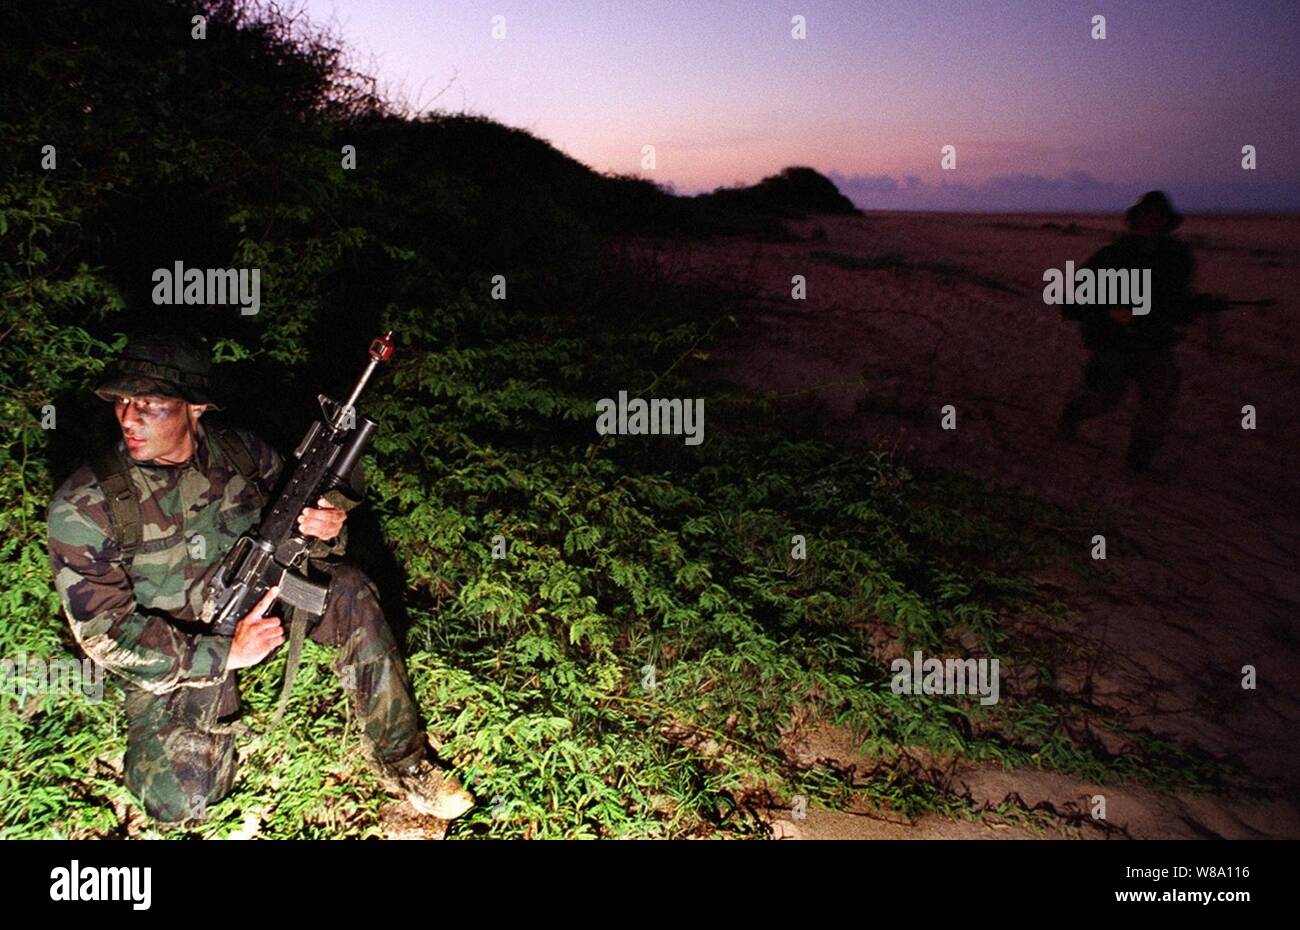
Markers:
point(156, 428)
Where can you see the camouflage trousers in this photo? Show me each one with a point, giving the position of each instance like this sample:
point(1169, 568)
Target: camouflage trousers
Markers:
point(180, 754)
point(1105, 381)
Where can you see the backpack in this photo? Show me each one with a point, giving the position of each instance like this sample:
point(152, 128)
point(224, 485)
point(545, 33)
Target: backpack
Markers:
point(111, 472)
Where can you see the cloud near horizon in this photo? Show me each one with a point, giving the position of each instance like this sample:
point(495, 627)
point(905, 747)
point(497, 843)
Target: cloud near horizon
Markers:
point(1075, 191)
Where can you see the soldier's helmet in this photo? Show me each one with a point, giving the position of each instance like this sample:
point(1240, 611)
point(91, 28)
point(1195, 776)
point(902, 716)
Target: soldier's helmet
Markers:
point(169, 365)
point(1155, 203)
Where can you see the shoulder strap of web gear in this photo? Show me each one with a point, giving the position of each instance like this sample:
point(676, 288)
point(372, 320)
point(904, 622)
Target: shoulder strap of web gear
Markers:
point(112, 474)
point(115, 481)
point(233, 446)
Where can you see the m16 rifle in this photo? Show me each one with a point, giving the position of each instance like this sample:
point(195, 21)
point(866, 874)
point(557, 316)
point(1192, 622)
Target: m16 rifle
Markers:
point(275, 552)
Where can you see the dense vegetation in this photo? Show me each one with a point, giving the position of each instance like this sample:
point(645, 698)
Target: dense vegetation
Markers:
point(631, 667)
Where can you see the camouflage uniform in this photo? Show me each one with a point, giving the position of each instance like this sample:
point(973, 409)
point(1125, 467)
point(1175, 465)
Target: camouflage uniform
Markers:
point(139, 622)
point(1141, 350)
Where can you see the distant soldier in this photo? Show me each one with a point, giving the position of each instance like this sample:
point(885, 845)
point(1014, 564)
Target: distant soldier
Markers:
point(134, 536)
point(1139, 348)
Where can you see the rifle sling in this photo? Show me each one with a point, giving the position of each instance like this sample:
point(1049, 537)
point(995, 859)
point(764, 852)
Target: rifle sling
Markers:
point(297, 632)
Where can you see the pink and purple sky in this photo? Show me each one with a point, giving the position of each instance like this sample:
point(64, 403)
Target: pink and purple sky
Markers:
point(1043, 116)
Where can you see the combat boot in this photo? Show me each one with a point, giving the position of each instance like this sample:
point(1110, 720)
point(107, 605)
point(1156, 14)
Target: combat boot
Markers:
point(430, 789)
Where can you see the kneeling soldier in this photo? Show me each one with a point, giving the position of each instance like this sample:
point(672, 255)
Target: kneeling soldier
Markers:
point(133, 538)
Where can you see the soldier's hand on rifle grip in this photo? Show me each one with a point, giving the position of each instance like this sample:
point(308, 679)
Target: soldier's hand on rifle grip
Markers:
point(256, 636)
point(323, 522)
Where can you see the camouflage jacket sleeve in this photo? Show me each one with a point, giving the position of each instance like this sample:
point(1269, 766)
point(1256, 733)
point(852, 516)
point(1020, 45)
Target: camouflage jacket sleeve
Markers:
point(271, 464)
point(97, 597)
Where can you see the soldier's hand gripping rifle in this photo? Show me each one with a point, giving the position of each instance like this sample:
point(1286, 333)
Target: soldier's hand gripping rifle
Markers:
point(270, 554)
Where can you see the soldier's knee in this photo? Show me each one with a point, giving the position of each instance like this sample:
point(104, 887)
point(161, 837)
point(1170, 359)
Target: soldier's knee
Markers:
point(1104, 376)
point(350, 581)
point(353, 597)
point(179, 785)
point(353, 604)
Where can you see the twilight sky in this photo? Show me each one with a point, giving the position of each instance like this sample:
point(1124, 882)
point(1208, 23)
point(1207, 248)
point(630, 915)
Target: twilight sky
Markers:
point(1043, 116)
